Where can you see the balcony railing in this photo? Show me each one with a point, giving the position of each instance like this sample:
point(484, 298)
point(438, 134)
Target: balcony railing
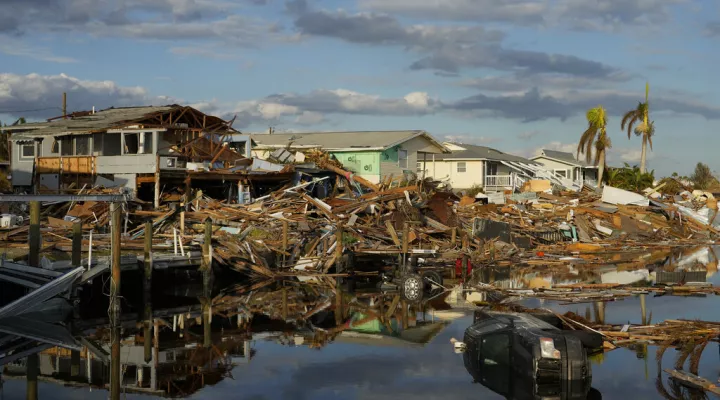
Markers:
point(498, 181)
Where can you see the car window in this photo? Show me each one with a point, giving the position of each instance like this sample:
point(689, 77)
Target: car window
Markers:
point(495, 361)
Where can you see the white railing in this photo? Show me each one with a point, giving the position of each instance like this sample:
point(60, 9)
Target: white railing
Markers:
point(518, 182)
point(498, 180)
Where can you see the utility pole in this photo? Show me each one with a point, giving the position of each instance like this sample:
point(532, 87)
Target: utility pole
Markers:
point(64, 105)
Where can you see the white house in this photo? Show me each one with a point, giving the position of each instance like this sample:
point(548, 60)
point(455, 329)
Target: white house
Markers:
point(567, 166)
point(469, 165)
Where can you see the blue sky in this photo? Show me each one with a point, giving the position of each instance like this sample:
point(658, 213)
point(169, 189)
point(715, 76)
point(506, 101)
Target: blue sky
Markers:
point(513, 74)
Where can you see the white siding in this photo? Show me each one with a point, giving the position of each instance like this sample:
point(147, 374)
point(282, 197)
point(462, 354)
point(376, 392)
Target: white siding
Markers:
point(448, 170)
point(553, 165)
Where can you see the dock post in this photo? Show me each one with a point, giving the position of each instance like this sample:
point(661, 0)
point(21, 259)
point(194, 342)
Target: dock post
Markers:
point(33, 370)
point(643, 310)
point(284, 304)
point(147, 291)
point(115, 212)
point(284, 240)
point(34, 234)
point(74, 363)
point(182, 216)
point(207, 280)
point(77, 244)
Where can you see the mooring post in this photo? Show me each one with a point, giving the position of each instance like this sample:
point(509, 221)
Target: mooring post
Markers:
point(33, 370)
point(77, 244)
point(74, 363)
point(284, 240)
point(643, 310)
point(284, 304)
point(115, 213)
point(206, 268)
point(147, 291)
point(34, 234)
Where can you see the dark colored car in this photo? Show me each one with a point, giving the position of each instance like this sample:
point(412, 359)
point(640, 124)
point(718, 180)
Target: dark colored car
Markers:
point(527, 356)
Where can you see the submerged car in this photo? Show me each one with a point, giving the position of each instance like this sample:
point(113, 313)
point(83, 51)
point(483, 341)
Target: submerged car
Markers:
point(529, 356)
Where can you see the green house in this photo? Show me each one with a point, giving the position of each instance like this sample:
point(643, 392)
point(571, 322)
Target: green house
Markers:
point(372, 155)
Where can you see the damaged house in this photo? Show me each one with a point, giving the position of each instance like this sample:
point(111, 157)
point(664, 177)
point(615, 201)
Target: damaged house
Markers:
point(372, 155)
point(147, 150)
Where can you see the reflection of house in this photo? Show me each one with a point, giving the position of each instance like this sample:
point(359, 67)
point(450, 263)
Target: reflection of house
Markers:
point(371, 155)
point(177, 371)
point(468, 165)
point(135, 147)
point(565, 165)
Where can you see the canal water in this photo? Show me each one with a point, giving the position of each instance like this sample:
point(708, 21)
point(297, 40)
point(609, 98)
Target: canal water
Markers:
point(279, 355)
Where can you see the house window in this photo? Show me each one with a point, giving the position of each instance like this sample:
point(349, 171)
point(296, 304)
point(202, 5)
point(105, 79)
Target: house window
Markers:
point(561, 173)
point(420, 168)
point(461, 166)
point(147, 143)
point(132, 144)
point(403, 159)
point(27, 150)
point(55, 147)
point(82, 145)
point(111, 144)
point(492, 169)
point(66, 146)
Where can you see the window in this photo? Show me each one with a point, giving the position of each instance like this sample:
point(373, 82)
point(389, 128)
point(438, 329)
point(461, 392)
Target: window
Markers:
point(495, 362)
point(420, 168)
point(403, 159)
point(132, 143)
point(461, 166)
point(66, 146)
point(55, 147)
point(492, 169)
point(98, 144)
point(561, 173)
point(111, 144)
point(147, 143)
point(82, 145)
point(27, 150)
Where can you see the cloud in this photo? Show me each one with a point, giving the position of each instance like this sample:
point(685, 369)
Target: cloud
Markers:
point(579, 14)
point(515, 11)
point(44, 92)
point(555, 145)
point(204, 52)
point(712, 29)
point(20, 48)
point(620, 155)
point(448, 49)
point(537, 105)
point(518, 82)
point(470, 139)
point(528, 135)
point(164, 20)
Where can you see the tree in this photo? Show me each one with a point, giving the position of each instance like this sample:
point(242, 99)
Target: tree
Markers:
point(702, 177)
point(595, 136)
point(644, 128)
point(630, 178)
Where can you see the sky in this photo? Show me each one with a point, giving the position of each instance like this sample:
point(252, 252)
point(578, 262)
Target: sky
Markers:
point(516, 75)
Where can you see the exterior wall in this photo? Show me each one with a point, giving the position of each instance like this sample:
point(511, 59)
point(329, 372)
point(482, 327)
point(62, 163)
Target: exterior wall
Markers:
point(130, 163)
point(590, 173)
point(389, 163)
point(447, 170)
point(363, 163)
point(21, 168)
point(552, 165)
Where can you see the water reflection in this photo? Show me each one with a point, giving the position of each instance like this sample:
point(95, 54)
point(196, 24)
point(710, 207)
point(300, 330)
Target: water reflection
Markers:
point(272, 339)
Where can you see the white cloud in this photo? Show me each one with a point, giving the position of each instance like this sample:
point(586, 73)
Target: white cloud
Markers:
point(528, 135)
point(35, 92)
point(275, 110)
point(470, 139)
point(309, 118)
point(21, 48)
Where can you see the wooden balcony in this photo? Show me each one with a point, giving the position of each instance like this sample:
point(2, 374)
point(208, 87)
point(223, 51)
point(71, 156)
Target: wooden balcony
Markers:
point(66, 165)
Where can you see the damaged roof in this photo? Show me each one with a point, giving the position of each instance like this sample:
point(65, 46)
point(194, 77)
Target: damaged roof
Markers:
point(88, 122)
point(563, 157)
point(344, 141)
point(473, 152)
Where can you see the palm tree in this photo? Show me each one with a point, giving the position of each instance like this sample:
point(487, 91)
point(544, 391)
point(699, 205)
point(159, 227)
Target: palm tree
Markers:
point(595, 135)
point(645, 129)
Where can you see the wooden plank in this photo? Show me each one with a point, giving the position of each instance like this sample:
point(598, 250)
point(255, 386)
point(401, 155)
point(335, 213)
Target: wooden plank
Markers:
point(393, 233)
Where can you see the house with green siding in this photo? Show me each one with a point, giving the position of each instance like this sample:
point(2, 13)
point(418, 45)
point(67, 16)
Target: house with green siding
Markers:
point(372, 155)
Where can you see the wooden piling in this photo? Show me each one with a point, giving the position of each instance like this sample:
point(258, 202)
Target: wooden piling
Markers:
point(453, 236)
point(148, 259)
point(285, 304)
point(406, 238)
point(74, 363)
point(34, 234)
point(207, 247)
point(285, 229)
point(32, 371)
point(115, 213)
point(77, 244)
